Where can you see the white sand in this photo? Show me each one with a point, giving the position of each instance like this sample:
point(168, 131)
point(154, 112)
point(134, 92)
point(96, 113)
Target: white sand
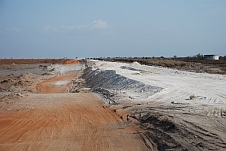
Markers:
point(64, 82)
point(177, 85)
point(62, 69)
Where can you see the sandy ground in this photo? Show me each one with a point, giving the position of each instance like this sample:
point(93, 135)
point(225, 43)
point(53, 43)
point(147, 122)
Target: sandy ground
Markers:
point(57, 84)
point(140, 108)
point(188, 113)
point(51, 119)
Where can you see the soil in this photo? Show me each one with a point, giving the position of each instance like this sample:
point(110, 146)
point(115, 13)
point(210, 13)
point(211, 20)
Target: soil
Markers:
point(37, 61)
point(177, 110)
point(44, 107)
point(181, 127)
point(57, 84)
point(52, 119)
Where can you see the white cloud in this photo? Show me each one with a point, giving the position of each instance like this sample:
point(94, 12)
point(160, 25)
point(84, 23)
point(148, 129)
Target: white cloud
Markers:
point(14, 29)
point(57, 28)
point(97, 24)
point(83, 26)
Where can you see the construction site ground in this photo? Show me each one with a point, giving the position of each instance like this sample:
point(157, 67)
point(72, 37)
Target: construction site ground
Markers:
point(49, 118)
point(52, 106)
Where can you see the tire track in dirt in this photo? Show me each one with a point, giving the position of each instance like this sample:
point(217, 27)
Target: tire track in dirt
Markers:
point(57, 84)
point(65, 121)
point(180, 128)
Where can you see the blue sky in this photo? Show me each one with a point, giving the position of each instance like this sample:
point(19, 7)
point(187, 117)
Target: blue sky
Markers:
point(111, 28)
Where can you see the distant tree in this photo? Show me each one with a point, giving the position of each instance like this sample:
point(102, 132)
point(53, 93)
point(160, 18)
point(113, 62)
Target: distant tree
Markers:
point(223, 57)
point(175, 56)
point(199, 55)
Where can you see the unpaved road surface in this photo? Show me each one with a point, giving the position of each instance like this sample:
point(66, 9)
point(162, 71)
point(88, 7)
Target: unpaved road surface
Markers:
point(178, 110)
point(65, 121)
point(143, 108)
point(57, 84)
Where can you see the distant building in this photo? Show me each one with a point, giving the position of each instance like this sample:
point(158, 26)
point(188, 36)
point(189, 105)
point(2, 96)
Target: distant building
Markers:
point(211, 57)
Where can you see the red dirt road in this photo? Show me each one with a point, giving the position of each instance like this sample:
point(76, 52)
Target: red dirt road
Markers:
point(65, 121)
point(57, 84)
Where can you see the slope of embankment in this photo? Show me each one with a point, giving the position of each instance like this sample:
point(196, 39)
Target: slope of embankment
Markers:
point(178, 110)
point(109, 81)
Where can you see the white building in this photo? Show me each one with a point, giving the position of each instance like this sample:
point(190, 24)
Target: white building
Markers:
point(211, 57)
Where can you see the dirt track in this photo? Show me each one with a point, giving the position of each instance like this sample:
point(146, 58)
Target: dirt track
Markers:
point(38, 113)
point(57, 84)
point(65, 121)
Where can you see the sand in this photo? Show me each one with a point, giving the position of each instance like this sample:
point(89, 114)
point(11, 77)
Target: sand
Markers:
point(52, 119)
point(178, 110)
point(124, 107)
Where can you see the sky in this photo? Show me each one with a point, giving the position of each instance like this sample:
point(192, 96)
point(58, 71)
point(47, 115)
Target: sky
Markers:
point(111, 28)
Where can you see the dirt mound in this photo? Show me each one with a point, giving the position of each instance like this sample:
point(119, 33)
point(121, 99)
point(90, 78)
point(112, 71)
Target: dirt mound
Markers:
point(77, 86)
point(105, 65)
point(25, 76)
point(23, 83)
point(18, 83)
point(7, 81)
point(135, 63)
